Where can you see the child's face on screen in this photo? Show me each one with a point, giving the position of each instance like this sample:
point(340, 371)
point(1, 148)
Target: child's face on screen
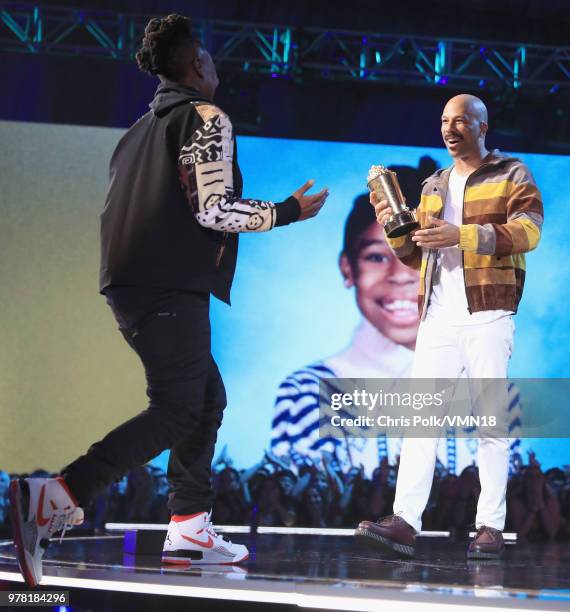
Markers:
point(386, 289)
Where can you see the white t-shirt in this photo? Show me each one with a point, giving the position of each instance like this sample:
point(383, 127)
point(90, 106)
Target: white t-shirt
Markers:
point(448, 297)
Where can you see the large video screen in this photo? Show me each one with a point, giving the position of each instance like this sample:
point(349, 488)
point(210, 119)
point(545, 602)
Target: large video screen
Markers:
point(297, 312)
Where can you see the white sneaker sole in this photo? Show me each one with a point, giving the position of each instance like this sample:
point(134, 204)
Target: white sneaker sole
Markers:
point(31, 575)
point(208, 558)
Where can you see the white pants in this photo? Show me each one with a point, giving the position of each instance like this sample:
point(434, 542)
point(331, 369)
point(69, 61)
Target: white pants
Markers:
point(444, 351)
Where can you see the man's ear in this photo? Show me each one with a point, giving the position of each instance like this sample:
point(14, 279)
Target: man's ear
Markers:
point(197, 65)
point(484, 128)
point(346, 270)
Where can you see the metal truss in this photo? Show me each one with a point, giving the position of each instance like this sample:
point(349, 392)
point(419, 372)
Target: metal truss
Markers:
point(299, 53)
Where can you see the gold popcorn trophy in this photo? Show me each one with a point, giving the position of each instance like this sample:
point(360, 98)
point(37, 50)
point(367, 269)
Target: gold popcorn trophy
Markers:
point(385, 184)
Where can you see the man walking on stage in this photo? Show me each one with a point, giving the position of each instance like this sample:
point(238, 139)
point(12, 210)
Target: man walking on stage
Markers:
point(477, 219)
point(169, 240)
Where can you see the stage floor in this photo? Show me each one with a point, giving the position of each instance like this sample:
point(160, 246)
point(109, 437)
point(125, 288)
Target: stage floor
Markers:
point(321, 571)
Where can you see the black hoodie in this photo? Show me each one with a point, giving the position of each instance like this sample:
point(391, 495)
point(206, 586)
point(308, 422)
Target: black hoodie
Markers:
point(174, 204)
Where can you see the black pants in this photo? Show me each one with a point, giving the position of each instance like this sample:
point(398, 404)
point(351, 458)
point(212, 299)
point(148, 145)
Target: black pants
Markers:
point(170, 332)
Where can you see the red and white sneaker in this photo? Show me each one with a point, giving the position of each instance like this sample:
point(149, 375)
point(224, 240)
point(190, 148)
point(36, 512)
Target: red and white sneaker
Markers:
point(191, 539)
point(40, 507)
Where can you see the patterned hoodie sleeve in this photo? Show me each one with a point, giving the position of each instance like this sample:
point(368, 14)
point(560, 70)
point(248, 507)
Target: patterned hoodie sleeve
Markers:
point(521, 233)
point(206, 172)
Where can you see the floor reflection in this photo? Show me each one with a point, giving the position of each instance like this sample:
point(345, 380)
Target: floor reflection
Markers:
point(440, 564)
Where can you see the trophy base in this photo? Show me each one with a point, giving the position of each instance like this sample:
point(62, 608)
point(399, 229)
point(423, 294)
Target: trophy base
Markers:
point(401, 224)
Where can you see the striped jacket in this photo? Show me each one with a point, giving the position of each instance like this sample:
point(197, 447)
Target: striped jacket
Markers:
point(502, 220)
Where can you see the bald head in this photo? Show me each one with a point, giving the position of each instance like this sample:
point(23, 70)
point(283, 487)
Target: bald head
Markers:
point(464, 124)
point(468, 104)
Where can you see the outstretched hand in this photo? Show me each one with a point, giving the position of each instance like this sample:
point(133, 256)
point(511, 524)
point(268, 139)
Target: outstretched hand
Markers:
point(310, 204)
point(443, 235)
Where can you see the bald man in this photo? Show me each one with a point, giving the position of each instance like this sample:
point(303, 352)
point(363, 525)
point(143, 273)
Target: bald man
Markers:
point(478, 218)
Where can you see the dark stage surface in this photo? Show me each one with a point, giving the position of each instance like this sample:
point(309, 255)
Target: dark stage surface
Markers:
point(321, 571)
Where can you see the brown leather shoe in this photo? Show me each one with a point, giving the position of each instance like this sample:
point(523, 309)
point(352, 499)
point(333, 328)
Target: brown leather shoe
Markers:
point(487, 544)
point(390, 533)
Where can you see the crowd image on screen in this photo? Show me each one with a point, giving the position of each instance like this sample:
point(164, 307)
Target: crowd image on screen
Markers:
point(301, 492)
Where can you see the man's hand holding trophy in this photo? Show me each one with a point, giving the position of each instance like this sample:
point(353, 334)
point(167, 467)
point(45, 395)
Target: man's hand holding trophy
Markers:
point(389, 203)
